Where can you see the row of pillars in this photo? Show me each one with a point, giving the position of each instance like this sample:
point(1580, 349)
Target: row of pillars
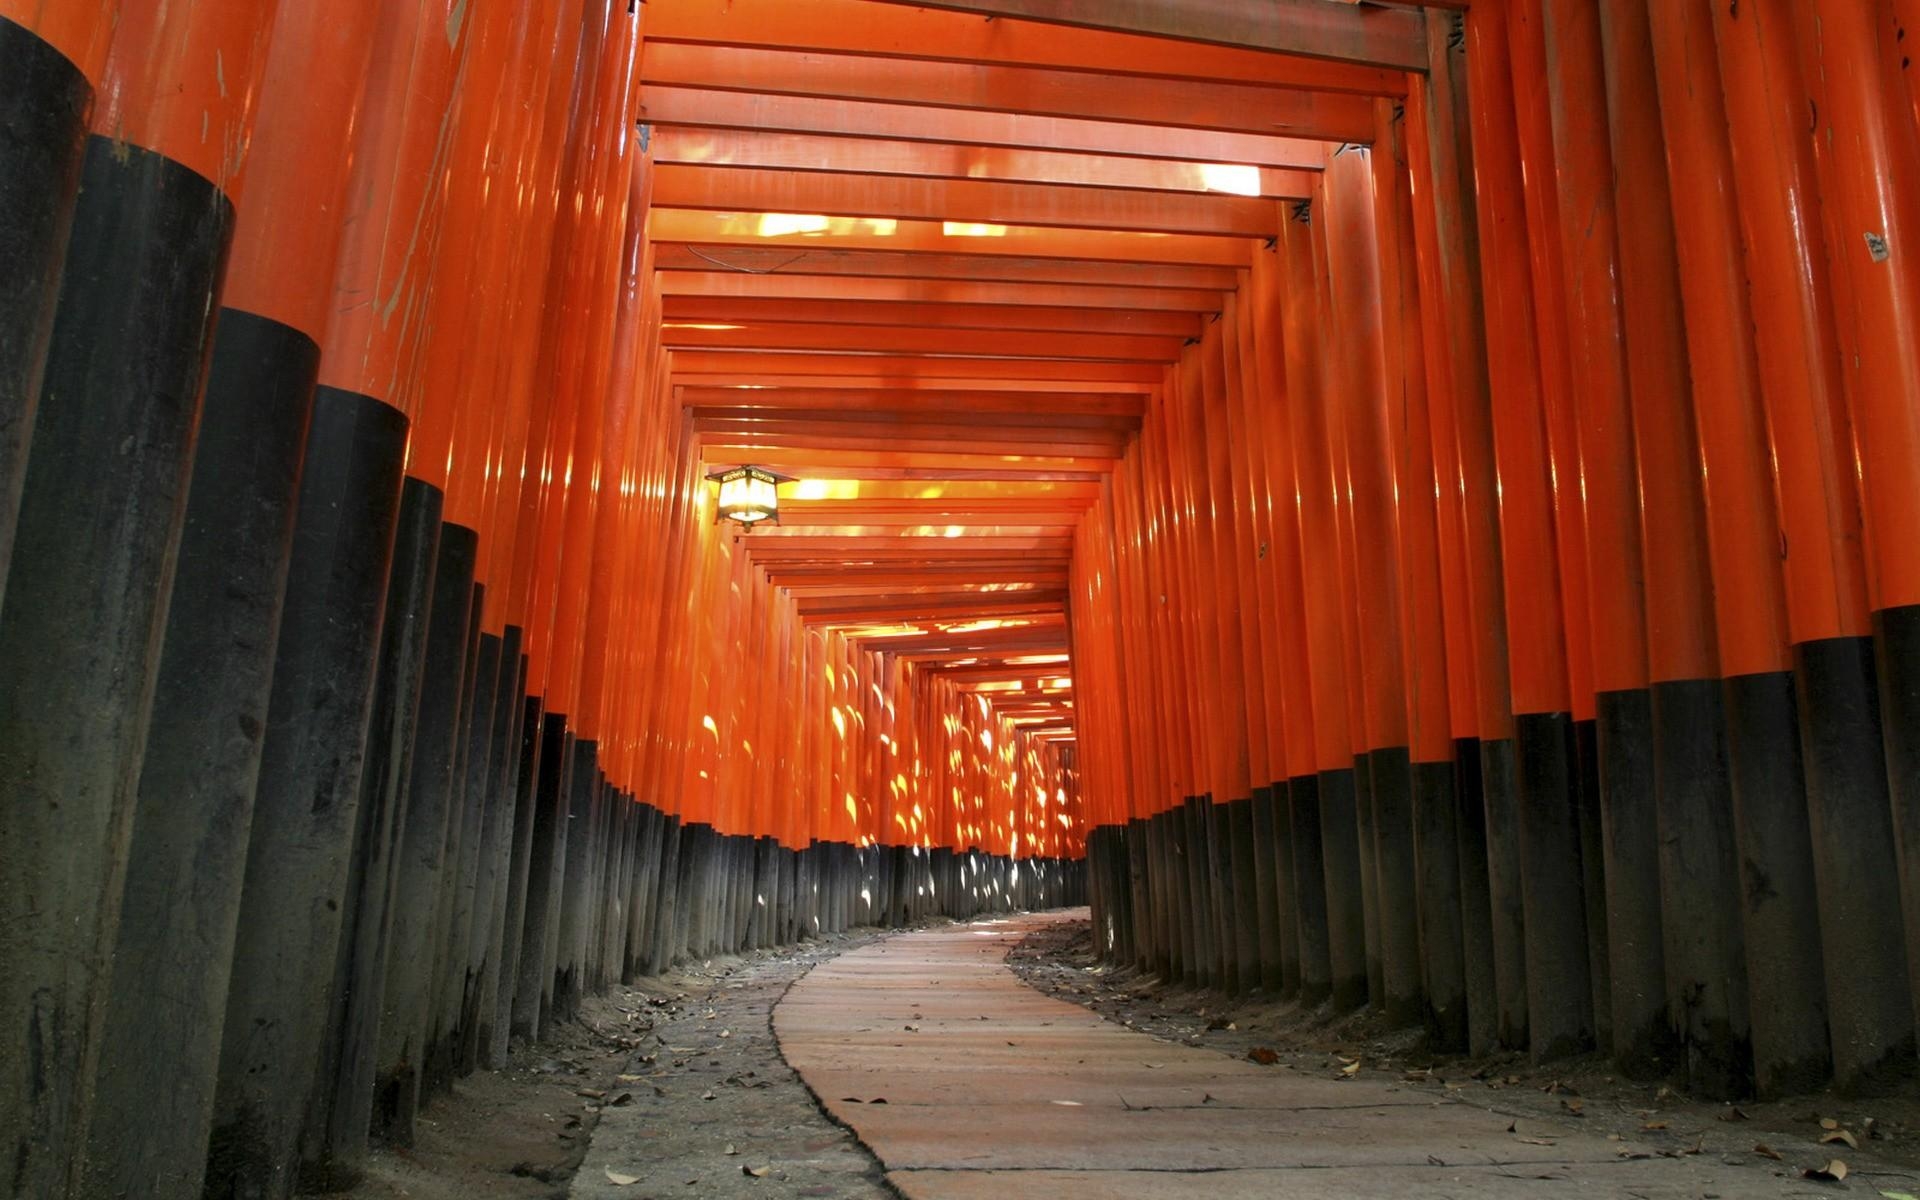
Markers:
point(1509, 616)
point(348, 526)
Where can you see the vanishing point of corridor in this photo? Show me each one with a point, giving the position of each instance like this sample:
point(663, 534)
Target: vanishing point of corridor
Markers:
point(530, 528)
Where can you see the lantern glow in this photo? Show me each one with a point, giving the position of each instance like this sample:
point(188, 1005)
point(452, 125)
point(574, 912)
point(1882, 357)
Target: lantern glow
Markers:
point(749, 495)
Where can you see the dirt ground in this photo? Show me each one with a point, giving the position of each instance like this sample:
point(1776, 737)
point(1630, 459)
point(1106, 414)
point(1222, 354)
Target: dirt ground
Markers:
point(1879, 1139)
point(676, 1083)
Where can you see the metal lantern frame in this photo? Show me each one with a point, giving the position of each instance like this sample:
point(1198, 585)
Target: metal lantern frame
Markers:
point(749, 472)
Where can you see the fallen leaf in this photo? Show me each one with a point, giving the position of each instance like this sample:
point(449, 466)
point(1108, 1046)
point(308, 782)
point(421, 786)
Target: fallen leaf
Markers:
point(1766, 1151)
point(755, 1172)
point(1833, 1172)
point(621, 1101)
point(1575, 1108)
point(1840, 1135)
point(1351, 1068)
point(730, 1149)
point(1829, 1123)
point(1534, 1141)
point(1650, 1126)
point(591, 1093)
point(706, 1095)
point(1733, 1114)
point(618, 1180)
point(1899, 1195)
point(1266, 1056)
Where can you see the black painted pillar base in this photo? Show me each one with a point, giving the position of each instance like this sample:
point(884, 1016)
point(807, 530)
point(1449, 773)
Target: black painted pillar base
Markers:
point(1346, 913)
point(1390, 773)
point(1851, 698)
point(1476, 903)
point(100, 510)
point(1285, 894)
point(43, 136)
point(1436, 845)
point(1700, 888)
point(335, 1137)
point(1366, 843)
point(528, 756)
point(1559, 986)
point(1310, 890)
point(1780, 910)
point(1643, 1044)
point(438, 614)
point(1593, 863)
point(1266, 891)
point(161, 1044)
point(548, 814)
point(307, 802)
point(1506, 903)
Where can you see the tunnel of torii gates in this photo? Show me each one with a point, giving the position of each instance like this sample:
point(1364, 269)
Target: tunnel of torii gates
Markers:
point(1398, 505)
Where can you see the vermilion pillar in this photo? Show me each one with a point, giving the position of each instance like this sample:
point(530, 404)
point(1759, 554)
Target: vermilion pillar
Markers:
point(1705, 960)
point(1843, 793)
point(1863, 140)
point(1588, 220)
point(197, 786)
point(101, 503)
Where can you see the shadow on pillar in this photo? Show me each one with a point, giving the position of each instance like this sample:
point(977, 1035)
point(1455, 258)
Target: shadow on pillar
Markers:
point(43, 135)
point(1700, 888)
point(160, 1050)
point(100, 511)
point(307, 800)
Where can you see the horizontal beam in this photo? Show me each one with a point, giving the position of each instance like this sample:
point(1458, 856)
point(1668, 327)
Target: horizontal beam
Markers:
point(949, 293)
point(1010, 424)
point(999, 403)
point(753, 446)
point(897, 339)
point(972, 201)
point(712, 108)
point(927, 608)
point(753, 311)
point(883, 370)
point(1328, 29)
point(798, 232)
point(858, 27)
point(892, 464)
point(963, 263)
point(1176, 104)
point(934, 160)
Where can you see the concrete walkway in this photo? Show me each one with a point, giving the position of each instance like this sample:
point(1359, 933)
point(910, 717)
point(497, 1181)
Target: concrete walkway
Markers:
point(968, 1084)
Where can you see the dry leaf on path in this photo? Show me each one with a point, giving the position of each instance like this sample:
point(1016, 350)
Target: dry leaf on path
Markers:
point(618, 1180)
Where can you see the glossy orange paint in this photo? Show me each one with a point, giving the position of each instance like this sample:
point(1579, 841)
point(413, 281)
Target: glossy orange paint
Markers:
point(287, 224)
point(181, 78)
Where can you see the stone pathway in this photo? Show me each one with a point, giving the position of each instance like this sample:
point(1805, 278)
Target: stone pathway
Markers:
point(706, 1108)
point(968, 1084)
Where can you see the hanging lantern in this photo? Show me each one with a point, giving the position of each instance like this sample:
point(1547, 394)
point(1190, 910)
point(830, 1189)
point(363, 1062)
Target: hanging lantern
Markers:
point(749, 495)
